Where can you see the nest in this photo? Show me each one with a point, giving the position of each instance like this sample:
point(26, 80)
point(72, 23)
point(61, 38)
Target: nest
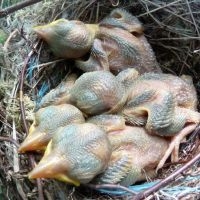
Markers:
point(173, 30)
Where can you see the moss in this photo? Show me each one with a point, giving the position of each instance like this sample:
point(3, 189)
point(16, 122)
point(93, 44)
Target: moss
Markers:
point(3, 36)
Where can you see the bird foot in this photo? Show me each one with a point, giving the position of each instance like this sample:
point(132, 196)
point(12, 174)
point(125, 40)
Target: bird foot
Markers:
point(173, 148)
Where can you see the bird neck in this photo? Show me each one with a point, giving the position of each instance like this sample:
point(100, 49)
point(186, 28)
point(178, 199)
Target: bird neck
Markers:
point(93, 28)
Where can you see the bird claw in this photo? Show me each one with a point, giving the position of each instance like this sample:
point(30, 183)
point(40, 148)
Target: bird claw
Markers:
point(173, 148)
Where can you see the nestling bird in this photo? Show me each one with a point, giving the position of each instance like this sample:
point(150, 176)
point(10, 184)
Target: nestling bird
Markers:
point(76, 154)
point(135, 156)
point(120, 44)
point(155, 106)
point(116, 43)
point(68, 38)
point(165, 105)
point(47, 121)
point(93, 93)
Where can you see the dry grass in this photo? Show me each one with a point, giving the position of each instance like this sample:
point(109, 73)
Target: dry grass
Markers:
point(173, 29)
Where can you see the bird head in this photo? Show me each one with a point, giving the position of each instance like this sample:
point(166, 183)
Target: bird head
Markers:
point(45, 125)
point(53, 165)
point(122, 19)
point(68, 38)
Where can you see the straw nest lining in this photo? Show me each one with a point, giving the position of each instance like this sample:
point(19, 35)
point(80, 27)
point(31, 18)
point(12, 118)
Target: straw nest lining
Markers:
point(171, 27)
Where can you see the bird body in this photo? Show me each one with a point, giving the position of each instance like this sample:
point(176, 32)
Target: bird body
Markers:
point(108, 122)
point(59, 94)
point(182, 88)
point(135, 155)
point(98, 92)
point(160, 107)
point(134, 50)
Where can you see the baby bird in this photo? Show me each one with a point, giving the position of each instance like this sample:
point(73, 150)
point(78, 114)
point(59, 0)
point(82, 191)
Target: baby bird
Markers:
point(76, 154)
point(135, 153)
point(47, 121)
point(144, 95)
point(166, 105)
point(120, 44)
point(68, 38)
point(93, 93)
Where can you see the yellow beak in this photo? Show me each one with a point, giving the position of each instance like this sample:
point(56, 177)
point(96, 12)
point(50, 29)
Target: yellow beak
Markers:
point(33, 142)
point(52, 165)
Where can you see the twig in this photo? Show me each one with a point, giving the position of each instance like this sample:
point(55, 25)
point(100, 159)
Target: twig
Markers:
point(20, 190)
point(192, 16)
point(5, 123)
point(167, 180)
point(165, 8)
point(16, 7)
point(5, 46)
point(15, 153)
point(22, 108)
point(21, 95)
point(39, 185)
point(48, 63)
point(176, 38)
point(2, 112)
point(16, 165)
point(8, 139)
point(110, 186)
point(159, 8)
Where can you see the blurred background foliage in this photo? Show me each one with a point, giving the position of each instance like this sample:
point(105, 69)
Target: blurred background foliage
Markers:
point(6, 3)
